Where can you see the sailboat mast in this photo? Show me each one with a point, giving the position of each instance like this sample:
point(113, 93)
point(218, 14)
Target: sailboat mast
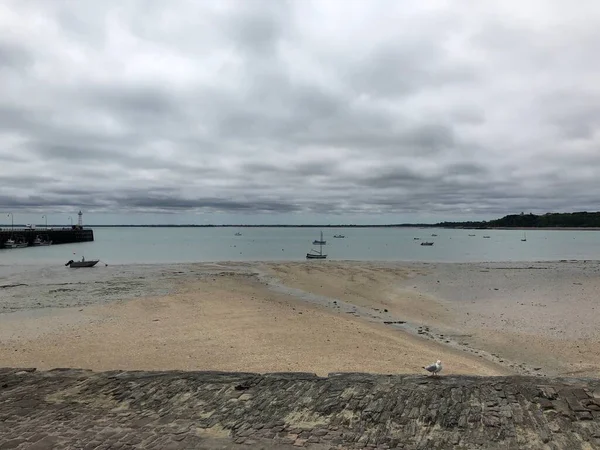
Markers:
point(321, 244)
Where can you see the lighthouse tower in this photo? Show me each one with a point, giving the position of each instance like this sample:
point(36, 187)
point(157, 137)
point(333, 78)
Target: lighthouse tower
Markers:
point(80, 219)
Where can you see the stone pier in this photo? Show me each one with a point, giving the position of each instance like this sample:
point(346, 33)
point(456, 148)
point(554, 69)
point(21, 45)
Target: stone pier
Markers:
point(76, 409)
point(56, 235)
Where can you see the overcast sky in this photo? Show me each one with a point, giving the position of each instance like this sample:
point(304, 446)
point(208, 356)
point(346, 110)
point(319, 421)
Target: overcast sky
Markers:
point(295, 111)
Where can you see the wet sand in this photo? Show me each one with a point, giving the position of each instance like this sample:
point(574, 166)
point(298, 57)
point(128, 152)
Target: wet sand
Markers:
point(542, 315)
point(533, 318)
point(321, 317)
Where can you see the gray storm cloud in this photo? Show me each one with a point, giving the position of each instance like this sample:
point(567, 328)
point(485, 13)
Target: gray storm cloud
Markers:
point(299, 106)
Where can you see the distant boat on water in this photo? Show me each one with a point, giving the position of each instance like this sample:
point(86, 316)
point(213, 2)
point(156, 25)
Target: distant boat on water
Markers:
point(471, 235)
point(426, 243)
point(417, 239)
point(339, 236)
point(434, 235)
point(486, 237)
point(238, 234)
point(524, 237)
point(319, 242)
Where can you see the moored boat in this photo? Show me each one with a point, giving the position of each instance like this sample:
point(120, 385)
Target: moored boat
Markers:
point(11, 243)
point(315, 256)
point(319, 254)
point(319, 241)
point(40, 241)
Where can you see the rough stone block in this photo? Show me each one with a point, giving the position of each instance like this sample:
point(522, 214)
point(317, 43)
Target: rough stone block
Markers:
point(11, 444)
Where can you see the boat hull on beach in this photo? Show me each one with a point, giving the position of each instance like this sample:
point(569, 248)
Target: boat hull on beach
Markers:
point(80, 264)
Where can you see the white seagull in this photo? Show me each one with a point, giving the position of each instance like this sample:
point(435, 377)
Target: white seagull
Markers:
point(434, 368)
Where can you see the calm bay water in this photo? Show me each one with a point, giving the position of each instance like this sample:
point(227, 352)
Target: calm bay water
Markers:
point(175, 245)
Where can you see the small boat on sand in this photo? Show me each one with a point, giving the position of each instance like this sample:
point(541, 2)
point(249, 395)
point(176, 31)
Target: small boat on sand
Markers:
point(83, 263)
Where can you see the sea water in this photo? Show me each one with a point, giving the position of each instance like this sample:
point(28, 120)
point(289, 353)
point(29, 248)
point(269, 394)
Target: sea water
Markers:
point(183, 245)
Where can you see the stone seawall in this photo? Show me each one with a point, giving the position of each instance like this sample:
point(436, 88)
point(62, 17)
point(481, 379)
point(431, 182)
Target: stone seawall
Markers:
point(75, 409)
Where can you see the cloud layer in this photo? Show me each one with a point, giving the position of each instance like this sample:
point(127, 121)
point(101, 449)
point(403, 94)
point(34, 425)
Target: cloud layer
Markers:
point(299, 106)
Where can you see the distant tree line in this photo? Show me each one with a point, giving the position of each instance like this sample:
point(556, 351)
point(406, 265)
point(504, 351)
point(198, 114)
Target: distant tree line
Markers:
point(550, 220)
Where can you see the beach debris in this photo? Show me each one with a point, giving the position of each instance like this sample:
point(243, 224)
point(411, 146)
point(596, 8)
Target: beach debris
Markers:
point(6, 286)
point(434, 368)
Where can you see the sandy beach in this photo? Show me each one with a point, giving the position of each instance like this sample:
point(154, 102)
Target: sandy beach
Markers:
point(484, 319)
point(531, 318)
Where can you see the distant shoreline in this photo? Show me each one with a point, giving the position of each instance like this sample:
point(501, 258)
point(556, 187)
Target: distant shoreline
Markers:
point(550, 221)
point(436, 226)
point(350, 226)
point(546, 228)
point(18, 228)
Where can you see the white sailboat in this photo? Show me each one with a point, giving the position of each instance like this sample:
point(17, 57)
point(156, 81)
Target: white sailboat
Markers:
point(320, 254)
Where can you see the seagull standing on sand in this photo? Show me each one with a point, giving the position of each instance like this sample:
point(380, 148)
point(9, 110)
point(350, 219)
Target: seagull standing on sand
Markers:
point(434, 368)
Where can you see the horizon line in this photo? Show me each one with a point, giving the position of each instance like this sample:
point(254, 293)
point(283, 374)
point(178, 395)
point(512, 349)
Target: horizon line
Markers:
point(223, 225)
